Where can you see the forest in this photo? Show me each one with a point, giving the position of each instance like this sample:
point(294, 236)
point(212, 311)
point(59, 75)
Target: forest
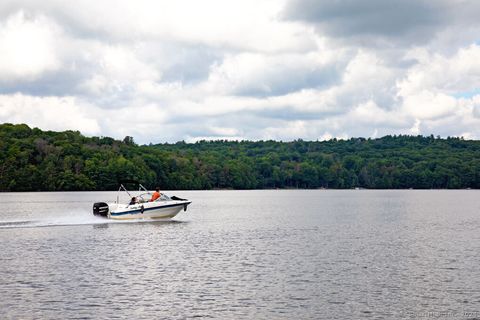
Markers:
point(36, 160)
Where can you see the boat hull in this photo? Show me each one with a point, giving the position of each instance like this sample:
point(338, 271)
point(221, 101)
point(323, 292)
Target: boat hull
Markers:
point(164, 212)
point(148, 210)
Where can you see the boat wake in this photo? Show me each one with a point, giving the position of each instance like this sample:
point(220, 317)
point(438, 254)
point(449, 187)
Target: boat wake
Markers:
point(69, 221)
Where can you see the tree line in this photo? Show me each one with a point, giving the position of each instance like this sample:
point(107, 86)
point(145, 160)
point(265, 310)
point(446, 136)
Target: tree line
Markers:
point(36, 160)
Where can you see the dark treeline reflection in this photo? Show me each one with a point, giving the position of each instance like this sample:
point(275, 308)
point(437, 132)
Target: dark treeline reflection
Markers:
point(34, 160)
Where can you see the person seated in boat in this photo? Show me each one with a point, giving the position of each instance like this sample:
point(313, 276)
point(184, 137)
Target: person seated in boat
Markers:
point(133, 201)
point(156, 194)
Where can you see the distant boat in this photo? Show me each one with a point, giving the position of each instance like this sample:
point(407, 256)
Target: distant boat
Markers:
point(162, 208)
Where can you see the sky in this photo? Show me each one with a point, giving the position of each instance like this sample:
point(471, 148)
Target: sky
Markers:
point(165, 71)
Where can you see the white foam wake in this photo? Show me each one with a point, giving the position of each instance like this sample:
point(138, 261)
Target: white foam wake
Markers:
point(64, 221)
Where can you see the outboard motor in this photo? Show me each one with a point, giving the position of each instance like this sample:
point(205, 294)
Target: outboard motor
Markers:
point(100, 209)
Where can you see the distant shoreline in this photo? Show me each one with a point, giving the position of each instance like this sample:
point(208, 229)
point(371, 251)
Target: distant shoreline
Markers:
point(278, 189)
point(32, 159)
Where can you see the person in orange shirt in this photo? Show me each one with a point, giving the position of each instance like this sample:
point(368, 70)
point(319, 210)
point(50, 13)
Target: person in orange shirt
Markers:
point(155, 195)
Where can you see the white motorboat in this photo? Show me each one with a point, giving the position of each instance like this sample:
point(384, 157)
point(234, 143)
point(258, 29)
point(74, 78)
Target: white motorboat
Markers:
point(140, 206)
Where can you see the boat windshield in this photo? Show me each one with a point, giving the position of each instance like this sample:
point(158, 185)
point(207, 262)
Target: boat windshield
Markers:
point(145, 197)
point(140, 198)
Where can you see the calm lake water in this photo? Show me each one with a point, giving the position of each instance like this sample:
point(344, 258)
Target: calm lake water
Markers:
point(287, 254)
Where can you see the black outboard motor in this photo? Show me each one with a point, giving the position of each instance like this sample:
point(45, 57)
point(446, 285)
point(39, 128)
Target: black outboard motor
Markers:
point(100, 209)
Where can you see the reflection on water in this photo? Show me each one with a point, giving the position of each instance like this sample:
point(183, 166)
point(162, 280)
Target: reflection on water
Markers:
point(244, 254)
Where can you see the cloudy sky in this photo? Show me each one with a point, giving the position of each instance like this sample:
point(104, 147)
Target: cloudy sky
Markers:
point(219, 69)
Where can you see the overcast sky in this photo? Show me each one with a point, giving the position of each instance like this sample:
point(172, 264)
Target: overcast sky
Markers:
point(265, 69)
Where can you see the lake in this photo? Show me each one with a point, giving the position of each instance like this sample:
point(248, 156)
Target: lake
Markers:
point(270, 254)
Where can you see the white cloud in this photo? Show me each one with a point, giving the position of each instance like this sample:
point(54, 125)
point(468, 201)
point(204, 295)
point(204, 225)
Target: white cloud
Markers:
point(288, 131)
point(249, 24)
point(476, 106)
point(222, 131)
point(427, 105)
point(167, 71)
point(415, 129)
point(117, 69)
point(260, 74)
point(371, 114)
point(440, 73)
point(432, 90)
point(394, 23)
point(27, 47)
point(244, 25)
point(49, 113)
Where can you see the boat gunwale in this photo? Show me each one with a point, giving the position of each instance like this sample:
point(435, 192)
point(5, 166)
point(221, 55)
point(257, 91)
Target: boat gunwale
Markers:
point(186, 203)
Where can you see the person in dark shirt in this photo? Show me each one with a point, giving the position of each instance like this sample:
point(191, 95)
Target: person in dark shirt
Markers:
point(133, 201)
